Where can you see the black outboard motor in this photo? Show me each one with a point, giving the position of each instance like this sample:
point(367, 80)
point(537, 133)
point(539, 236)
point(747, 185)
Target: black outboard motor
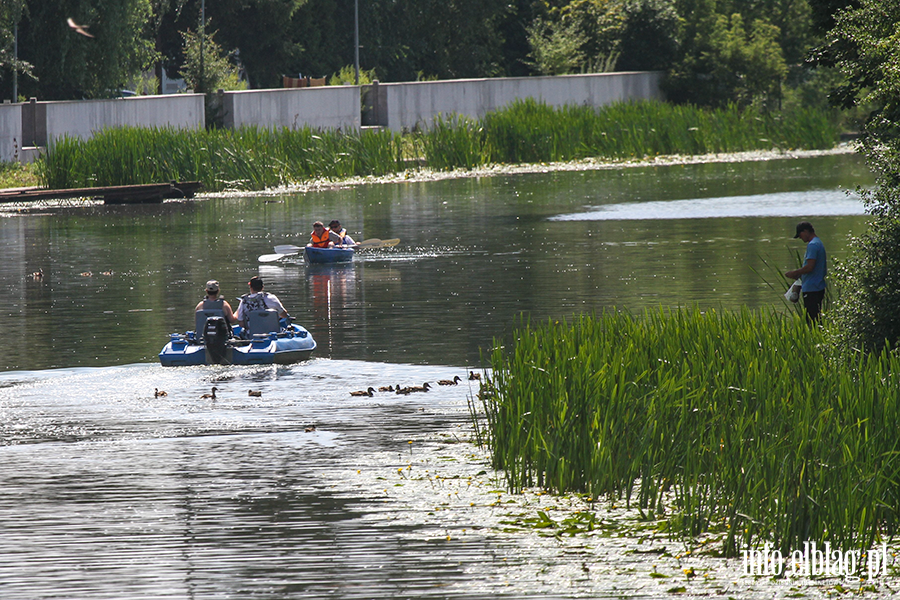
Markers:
point(215, 334)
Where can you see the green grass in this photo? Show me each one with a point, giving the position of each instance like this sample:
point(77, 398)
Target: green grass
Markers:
point(16, 175)
point(736, 423)
point(526, 131)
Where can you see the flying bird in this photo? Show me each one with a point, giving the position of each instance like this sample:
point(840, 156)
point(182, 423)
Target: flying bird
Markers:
point(82, 29)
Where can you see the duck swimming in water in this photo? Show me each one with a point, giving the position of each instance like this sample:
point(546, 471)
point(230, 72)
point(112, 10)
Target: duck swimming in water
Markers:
point(367, 392)
point(211, 396)
point(386, 388)
point(453, 381)
point(158, 393)
point(254, 393)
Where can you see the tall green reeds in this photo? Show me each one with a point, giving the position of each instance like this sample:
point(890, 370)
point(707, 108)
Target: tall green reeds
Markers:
point(250, 158)
point(728, 422)
point(254, 158)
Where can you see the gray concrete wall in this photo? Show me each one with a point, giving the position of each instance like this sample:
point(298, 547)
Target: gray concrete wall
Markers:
point(83, 118)
point(10, 132)
point(330, 107)
point(397, 106)
point(400, 106)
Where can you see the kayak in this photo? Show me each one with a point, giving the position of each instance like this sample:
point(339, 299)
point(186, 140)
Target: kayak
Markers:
point(326, 256)
point(216, 343)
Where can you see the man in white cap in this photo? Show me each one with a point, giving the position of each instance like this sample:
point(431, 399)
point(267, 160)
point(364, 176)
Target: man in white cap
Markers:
point(213, 301)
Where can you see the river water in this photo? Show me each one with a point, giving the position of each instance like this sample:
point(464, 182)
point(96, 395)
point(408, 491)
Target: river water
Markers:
point(307, 491)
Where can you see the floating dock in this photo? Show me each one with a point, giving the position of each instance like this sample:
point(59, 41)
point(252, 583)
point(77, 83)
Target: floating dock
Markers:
point(119, 194)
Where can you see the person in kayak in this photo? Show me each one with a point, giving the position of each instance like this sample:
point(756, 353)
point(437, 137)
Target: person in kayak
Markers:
point(213, 301)
point(339, 235)
point(320, 236)
point(257, 299)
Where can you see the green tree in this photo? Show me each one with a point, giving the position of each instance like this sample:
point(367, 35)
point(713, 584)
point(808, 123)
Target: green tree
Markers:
point(725, 63)
point(215, 72)
point(11, 13)
point(648, 39)
point(865, 46)
point(555, 47)
point(70, 65)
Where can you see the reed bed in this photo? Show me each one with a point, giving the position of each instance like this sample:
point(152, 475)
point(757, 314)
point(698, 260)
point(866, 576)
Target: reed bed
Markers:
point(735, 423)
point(526, 131)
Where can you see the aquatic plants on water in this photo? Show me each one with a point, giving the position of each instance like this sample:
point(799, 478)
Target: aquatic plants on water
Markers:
point(736, 423)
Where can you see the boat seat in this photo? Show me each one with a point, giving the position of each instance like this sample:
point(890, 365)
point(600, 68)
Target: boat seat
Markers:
point(263, 321)
point(203, 314)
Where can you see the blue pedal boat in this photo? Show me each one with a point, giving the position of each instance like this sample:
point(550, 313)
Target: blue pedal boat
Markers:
point(213, 342)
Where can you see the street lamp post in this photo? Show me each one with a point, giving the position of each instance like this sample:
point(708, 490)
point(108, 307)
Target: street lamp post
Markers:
point(356, 37)
point(15, 72)
point(202, 35)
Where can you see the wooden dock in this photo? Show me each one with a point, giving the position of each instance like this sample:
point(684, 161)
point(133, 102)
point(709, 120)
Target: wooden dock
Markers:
point(120, 194)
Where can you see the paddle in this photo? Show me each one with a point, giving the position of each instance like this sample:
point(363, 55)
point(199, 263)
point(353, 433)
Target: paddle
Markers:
point(376, 243)
point(273, 257)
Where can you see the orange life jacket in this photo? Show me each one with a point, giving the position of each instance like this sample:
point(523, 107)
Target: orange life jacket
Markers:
point(320, 241)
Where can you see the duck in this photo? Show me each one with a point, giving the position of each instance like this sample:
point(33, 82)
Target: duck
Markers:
point(254, 393)
point(107, 273)
point(310, 429)
point(211, 396)
point(37, 275)
point(386, 388)
point(400, 390)
point(158, 393)
point(420, 388)
point(367, 392)
point(473, 376)
point(86, 274)
point(453, 381)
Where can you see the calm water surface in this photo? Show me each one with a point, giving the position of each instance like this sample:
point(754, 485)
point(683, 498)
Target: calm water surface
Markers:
point(110, 492)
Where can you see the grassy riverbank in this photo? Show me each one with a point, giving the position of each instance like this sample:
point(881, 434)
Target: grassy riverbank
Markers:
point(524, 132)
point(734, 423)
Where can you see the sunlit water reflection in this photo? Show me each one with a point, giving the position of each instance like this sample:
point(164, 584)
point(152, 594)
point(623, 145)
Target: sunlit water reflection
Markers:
point(110, 492)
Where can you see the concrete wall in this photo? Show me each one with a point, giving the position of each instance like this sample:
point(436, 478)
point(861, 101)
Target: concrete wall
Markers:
point(85, 117)
point(400, 106)
point(397, 106)
point(10, 131)
point(331, 107)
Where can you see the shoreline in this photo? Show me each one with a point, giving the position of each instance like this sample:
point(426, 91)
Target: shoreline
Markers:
point(420, 175)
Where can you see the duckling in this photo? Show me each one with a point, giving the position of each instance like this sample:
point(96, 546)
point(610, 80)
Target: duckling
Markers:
point(473, 376)
point(107, 273)
point(367, 392)
point(400, 390)
point(420, 388)
point(254, 393)
point(86, 274)
point(37, 275)
point(453, 381)
point(158, 393)
point(386, 388)
point(211, 396)
point(310, 429)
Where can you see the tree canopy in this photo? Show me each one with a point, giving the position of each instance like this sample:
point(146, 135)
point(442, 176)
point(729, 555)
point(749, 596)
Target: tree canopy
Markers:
point(715, 51)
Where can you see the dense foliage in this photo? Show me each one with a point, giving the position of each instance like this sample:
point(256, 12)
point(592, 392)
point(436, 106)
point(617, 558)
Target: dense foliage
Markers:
point(716, 51)
point(865, 46)
point(719, 423)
